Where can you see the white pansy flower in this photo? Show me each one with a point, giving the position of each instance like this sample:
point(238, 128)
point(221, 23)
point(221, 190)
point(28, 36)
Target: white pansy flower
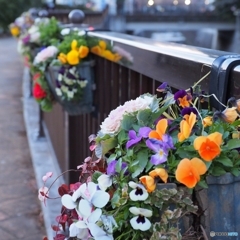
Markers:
point(89, 191)
point(74, 231)
point(139, 192)
point(140, 222)
point(104, 181)
point(68, 81)
point(65, 31)
point(70, 94)
point(81, 33)
point(83, 84)
point(64, 88)
point(60, 77)
point(58, 92)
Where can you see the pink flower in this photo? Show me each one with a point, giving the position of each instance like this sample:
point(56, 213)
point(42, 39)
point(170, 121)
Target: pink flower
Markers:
point(123, 53)
point(45, 54)
point(47, 176)
point(43, 194)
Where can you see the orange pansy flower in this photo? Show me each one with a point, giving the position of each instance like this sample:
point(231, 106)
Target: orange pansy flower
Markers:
point(207, 121)
point(184, 102)
point(159, 172)
point(160, 129)
point(96, 50)
point(62, 58)
point(186, 126)
point(230, 114)
point(148, 182)
point(208, 147)
point(188, 171)
point(83, 51)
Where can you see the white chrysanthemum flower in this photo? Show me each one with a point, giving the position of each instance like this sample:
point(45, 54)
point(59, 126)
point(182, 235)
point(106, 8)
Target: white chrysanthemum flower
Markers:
point(140, 222)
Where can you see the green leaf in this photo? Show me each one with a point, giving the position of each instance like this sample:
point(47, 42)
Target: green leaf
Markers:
point(144, 117)
point(202, 184)
point(218, 171)
point(108, 144)
point(232, 144)
point(115, 200)
point(127, 122)
point(122, 136)
point(235, 172)
point(224, 161)
point(95, 176)
point(142, 158)
point(119, 165)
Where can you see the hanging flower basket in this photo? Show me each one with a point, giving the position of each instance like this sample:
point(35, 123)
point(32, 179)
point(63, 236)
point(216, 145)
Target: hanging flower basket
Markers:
point(63, 86)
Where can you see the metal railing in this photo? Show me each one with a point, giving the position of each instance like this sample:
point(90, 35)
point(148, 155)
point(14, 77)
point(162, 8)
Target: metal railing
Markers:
point(153, 63)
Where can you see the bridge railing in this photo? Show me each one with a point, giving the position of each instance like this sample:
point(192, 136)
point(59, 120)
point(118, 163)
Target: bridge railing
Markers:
point(151, 64)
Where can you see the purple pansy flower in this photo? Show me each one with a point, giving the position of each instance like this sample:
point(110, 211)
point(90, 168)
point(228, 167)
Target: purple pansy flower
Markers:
point(188, 110)
point(134, 139)
point(181, 94)
point(167, 141)
point(163, 87)
point(111, 169)
point(26, 39)
point(161, 150)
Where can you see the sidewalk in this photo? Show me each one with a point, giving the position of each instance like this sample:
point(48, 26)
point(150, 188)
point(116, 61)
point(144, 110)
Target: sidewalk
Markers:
point(20, 211)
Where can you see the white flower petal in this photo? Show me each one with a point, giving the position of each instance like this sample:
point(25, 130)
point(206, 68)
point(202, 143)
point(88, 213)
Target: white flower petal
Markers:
point(132, 184)
point(143, 226)
point(68, 202)
point(85, 208)
point(104, 181)
point(76, 194)
point(134, 210)
point(95, 216)
point(133, 195)
point(81, 224)
point(83, 233)
point(73, 230)
point(145, 212)
point(100, 199)
point(96, 231)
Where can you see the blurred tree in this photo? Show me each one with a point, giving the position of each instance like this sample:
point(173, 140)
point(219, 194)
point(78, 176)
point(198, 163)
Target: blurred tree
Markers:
point(225, 8)
point(10, 10)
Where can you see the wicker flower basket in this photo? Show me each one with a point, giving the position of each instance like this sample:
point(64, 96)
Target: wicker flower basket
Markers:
point(85, 105)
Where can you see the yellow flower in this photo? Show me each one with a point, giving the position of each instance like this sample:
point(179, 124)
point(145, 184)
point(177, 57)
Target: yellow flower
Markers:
point(72, 57)
point(207, 121)
point(83, 51)
point(102, 44)
point(108, 55)
point(96, 50)
point(62, 58)
point(15, 31)
point(117, 57)
point(74, 44)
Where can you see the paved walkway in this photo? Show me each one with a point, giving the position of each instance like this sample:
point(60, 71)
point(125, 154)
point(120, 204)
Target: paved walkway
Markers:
point(20, 211)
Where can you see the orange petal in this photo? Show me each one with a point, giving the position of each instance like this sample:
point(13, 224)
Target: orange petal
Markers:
point(187, 174)
point(192, 120)
point(148, 182)
point(198, 142)
point(83, 51)
point(159, 172)
point(162, 126)
point(154, 134)
point(209, 150)
point(216, 137)
point(230, 114)
point(199, 165)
